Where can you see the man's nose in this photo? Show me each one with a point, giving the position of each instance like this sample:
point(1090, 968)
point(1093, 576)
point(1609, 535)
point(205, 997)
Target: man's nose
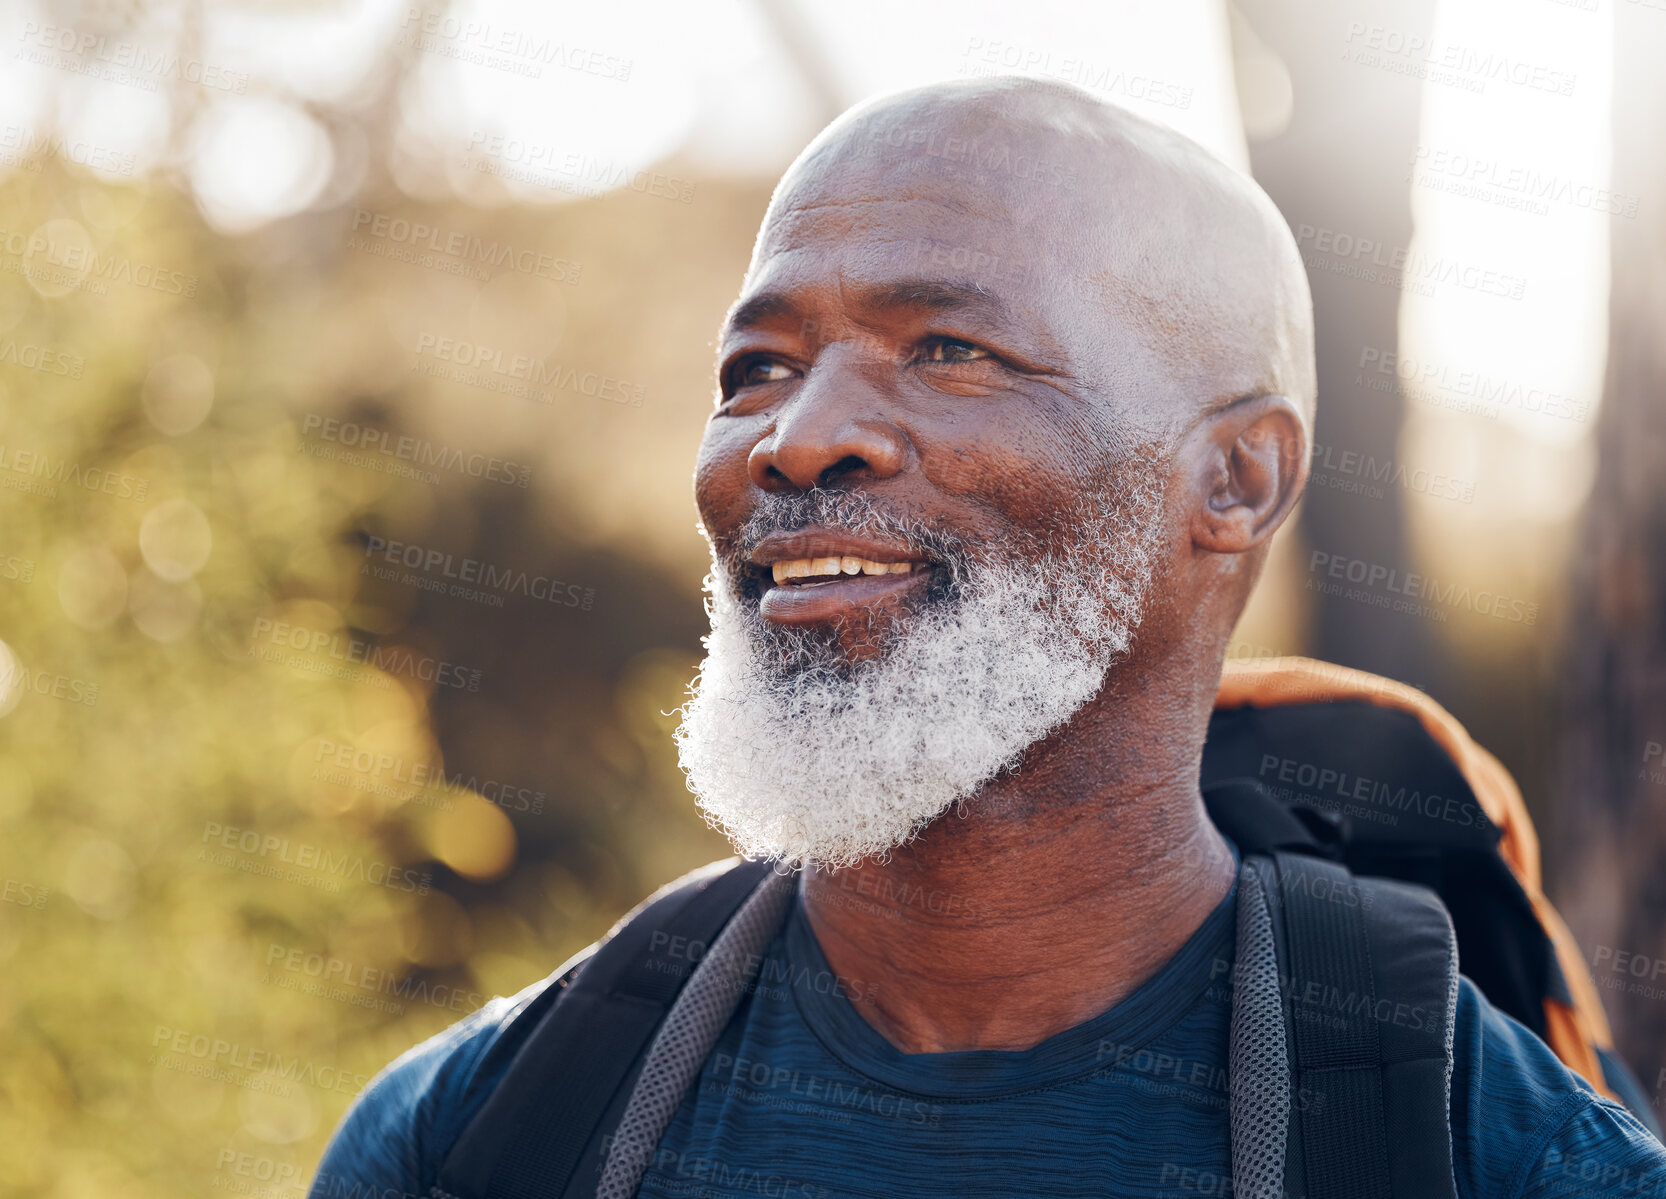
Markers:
point(830, 429)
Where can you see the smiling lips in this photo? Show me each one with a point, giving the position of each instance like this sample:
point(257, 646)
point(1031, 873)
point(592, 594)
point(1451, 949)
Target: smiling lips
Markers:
point(821, 575)
point(808, 572)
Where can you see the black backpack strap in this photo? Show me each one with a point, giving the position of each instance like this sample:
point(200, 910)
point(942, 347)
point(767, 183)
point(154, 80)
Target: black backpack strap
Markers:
point(549, 1115)
point(1253, 820)
point(1369, 968)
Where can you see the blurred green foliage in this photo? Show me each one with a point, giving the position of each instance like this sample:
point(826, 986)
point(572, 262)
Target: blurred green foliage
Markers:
point(266, 820)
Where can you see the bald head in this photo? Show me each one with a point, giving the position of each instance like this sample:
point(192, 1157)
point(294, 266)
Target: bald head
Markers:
point(1125, 233)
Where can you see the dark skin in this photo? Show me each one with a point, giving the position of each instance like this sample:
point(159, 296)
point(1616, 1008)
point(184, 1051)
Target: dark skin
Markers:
point(972, 344)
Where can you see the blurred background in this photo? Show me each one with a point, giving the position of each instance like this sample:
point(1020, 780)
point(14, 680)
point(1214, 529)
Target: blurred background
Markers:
point(352, 361)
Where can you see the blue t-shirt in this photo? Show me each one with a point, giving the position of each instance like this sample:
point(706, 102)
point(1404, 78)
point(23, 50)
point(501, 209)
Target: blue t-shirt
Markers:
point(803, 1099)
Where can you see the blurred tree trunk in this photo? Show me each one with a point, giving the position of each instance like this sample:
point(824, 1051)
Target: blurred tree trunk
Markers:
point(1609, 851)
point(1341, 168)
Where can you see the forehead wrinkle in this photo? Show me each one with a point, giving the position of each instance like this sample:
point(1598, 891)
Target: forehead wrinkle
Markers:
point(957, 205)
point(787, 225)
point(936, 294)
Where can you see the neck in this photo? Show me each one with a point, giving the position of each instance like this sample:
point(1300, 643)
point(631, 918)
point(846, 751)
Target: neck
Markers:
point(1061, 889)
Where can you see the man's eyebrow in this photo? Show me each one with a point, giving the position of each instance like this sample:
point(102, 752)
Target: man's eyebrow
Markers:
point(936, 294)
point(759, 309)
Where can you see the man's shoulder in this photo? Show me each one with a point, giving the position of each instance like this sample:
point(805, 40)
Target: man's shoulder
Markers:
point(399, 1129)
point(398, 1132)
point(1524, 1125)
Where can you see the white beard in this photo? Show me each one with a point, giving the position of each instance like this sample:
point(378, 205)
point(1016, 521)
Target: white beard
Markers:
point(800, 756)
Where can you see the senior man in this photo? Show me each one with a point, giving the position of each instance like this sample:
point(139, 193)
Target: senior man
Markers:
point(1017, 391)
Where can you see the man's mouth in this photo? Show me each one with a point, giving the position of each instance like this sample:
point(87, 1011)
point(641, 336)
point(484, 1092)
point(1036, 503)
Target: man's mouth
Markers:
point(815, 575)
point(817, 572)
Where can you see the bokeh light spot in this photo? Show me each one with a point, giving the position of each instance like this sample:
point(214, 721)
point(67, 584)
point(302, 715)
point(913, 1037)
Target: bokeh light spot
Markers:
point(177, 394)
point(12, 680)
point(58, 256)
point(474, 838)
point(101, 878)
point(175, 540)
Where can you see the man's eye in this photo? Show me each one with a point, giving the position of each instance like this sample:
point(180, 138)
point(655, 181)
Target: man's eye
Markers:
point(952, 349)
point(755, 371)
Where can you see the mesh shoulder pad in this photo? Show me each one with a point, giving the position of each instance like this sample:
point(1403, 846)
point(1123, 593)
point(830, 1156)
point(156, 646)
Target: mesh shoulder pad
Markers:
point(1368, 969)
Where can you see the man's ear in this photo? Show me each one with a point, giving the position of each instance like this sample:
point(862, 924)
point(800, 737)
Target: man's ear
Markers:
point(1250, 467)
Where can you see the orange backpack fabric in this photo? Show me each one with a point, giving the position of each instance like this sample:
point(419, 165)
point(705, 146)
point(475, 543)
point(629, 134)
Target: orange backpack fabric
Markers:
point(1576, 1032)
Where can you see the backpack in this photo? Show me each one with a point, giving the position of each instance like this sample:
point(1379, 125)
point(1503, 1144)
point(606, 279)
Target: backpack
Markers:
point(1379, 843)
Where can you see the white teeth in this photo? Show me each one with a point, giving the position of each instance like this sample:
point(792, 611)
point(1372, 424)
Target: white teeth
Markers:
point(848, 564)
